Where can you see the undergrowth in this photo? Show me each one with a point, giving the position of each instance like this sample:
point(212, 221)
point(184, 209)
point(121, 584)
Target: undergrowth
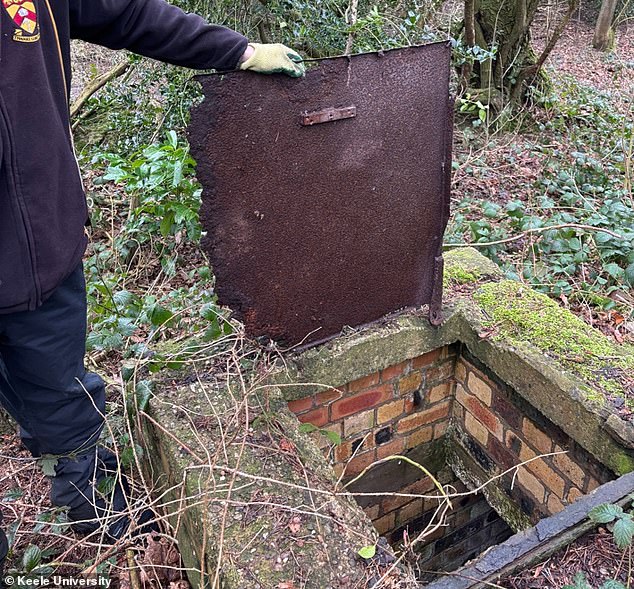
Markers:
point(570, 232)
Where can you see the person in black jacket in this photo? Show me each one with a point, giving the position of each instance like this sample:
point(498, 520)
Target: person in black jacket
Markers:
point(43, 383)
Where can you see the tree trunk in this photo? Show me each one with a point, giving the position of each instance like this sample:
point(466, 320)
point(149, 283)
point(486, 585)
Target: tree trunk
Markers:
point(505, 25)
point(603, 32)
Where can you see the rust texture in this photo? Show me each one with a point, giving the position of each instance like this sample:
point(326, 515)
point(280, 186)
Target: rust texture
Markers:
point(311, 228)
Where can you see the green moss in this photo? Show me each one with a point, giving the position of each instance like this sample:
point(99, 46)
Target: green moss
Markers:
point(622, 464)
point(522, 316)
point(466, 265)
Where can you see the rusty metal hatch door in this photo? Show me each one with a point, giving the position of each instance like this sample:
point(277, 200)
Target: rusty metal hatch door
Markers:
point(325, 199)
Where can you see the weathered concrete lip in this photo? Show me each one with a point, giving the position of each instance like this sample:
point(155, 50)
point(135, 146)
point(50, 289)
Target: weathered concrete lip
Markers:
point(521, 550)
point(557, 394)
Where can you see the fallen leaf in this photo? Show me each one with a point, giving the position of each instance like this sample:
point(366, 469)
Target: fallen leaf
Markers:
point(286, 585)
point(486, 333)
point(295, 525)
point(286, 445)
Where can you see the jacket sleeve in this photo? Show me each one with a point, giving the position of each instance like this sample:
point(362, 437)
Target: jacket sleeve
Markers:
point(156, 29)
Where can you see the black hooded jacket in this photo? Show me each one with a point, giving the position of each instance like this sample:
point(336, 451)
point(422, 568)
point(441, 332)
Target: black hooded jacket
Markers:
point(42, 204)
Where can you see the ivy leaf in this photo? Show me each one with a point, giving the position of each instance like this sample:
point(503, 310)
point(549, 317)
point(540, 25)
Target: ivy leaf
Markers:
point(629, 274)
point(623, 532)
point(613, 270)
point(605, 513)
point(367, 552)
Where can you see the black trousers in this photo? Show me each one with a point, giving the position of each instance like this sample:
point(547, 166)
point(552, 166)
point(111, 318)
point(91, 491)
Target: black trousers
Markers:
point(58, 404)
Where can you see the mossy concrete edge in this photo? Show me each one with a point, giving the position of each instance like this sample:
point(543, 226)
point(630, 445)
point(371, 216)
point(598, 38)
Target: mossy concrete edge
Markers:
point(181, 437)
point(558, 394)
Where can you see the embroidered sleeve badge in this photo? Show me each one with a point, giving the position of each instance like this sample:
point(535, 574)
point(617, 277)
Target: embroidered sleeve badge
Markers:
point(24, 14)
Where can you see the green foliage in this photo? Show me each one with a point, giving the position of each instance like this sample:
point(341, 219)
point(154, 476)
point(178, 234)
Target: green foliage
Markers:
point(475, 108)
point(161, 219)
point(32, 566)
point(583, 193)
point(581, 582)
point(333, 437)
point(367, 552)
point(165, 198)
point(621, 522)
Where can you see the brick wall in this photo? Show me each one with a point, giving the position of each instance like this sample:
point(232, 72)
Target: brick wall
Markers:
point(508, 432)
point(423, 406)
point(384, 413)
point(468, 529)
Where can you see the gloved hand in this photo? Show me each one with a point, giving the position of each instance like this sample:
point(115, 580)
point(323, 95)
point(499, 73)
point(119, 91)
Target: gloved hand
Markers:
point(274, 58)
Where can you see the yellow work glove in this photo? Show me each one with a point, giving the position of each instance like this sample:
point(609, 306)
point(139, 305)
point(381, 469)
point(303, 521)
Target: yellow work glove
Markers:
point(274, 58)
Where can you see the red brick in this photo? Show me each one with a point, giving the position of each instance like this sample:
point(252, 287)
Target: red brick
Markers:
point(410, 383)
point(536, 437)
point(513, 443)
point(360, 402)
point(409, 511)
point(363, 383)
point(461, 372)
point(415, 420)
point(531, 484)
point(317, 416)
point(389, 411)
point(573, 495)
point(480, 388)
point(484, 416)
point(440, 373)
point(547, 476)
point(439, 392)
point(440, 429)
point(373, 511)
point(343, 451)
point(385, 524)
point(507, 411)
point(554, 505)
point(423, 486)
point(500, 454)
point(426, 359)
point(394, 371)
point(390, 449)
point(301, 405)
point(392, 502)
point(570, 468)
point(420, 436)
point(359, 463)
point(329, 395)
point(476, 429)
point(357, 423)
